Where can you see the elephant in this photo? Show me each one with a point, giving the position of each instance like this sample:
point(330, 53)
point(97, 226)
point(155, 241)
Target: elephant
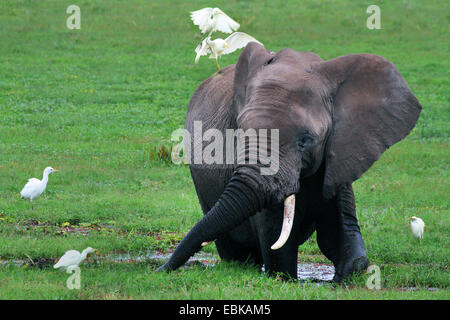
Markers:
point(334, 119)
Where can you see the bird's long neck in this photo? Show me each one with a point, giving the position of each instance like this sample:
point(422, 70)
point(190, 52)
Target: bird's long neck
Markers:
point(84, 254)
point(45, 178)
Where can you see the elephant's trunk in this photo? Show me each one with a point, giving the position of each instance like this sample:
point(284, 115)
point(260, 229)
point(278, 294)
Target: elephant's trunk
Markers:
point(236, 204)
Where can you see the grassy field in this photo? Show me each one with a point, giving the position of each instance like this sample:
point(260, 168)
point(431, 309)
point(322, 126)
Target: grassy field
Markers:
point(99, 104)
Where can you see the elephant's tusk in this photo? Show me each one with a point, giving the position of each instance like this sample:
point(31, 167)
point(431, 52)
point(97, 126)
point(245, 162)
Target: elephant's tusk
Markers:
point(288, 220)
point(207, 242)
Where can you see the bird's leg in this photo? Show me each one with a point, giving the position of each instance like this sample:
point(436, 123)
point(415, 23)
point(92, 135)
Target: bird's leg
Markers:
point(218, 65)
point(31, 202)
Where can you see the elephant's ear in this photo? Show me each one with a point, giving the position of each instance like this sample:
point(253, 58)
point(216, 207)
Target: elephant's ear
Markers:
point(372, 108)
point(252, 58)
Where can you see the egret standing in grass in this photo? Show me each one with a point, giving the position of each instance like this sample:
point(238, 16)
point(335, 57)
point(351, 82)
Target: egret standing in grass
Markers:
point(219, 47)
point(417, 227)
point(35, 187)
point(210, 20)
point(72, 258)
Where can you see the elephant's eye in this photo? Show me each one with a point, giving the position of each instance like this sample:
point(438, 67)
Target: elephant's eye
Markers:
point(269, 61)
point(305, 141)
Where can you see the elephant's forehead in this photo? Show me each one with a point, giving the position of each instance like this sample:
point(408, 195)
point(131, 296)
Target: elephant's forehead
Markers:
point(281, 74)
point(296, 58)
point(288, 68)
point(281, 91)
point(284, 79)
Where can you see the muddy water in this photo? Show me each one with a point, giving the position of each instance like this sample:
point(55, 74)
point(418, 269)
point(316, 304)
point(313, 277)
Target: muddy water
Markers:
point(315, 271)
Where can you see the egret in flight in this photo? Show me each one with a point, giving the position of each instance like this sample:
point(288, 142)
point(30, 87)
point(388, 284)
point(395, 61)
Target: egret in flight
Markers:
point(219, 47)
point(210, 20)
point(35, 187)
point(72, 258)
point(417, 227)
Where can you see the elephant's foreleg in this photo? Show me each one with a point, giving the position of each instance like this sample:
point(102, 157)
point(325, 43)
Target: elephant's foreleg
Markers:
point(239, 245)
point(352, 252)
point(284, 259)
point(339, 237)
point(328, 231)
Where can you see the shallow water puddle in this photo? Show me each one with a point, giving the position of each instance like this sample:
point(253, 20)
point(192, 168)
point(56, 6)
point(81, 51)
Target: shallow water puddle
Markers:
point(204, 258)
point(305, 271)
point(315, 271)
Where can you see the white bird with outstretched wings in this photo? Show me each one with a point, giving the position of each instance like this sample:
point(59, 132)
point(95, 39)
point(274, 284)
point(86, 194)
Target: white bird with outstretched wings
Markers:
point(213, 19)
point(219, 47)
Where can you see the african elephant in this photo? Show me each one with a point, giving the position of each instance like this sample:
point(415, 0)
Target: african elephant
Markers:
point(334, 118)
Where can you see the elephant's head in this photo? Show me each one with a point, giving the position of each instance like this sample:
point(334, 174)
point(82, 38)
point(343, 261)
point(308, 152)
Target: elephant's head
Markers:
point(341, 113)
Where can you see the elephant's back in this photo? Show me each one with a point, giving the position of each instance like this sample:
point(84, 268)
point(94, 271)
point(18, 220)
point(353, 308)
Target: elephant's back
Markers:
point(211, 106)
point(211, 102)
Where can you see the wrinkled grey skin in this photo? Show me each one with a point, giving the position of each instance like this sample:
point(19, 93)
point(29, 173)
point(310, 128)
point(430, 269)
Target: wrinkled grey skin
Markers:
point(335, 118)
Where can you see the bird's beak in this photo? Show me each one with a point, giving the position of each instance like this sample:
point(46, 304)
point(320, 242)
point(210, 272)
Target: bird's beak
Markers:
point(54, 170)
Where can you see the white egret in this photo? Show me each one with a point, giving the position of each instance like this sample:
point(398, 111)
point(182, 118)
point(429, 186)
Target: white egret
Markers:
point(417, 227)
point(219, 47)
point(72, 258)
point(35, 187)
point(210, 20)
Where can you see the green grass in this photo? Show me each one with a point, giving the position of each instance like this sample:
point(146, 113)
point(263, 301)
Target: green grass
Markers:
point(98, 103)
